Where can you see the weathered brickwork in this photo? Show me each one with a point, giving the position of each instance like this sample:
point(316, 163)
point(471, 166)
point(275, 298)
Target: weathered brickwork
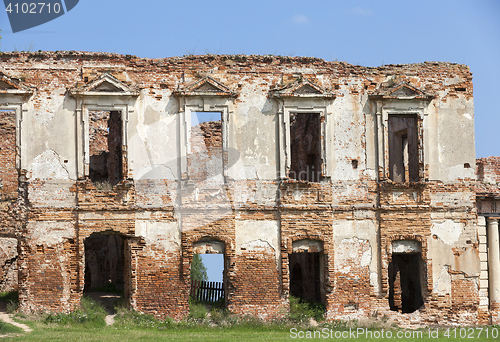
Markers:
point(347, 185)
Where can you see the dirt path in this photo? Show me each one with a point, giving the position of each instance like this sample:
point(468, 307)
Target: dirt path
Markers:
point(4, 316)
point(107, 300)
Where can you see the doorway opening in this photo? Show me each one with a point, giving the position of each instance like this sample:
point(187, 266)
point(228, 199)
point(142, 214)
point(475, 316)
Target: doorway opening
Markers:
point(208, 273)
point(306, 271)
point(105, 270)
point(305, 282)
point(405, 289)
point(104, 263)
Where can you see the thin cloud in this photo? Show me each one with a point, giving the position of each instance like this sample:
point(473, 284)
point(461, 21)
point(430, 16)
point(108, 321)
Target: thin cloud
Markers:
point(300, 19)
point(365, 12)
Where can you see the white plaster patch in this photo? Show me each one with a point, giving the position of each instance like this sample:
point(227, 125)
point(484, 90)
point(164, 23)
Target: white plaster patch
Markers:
point(374, 281)
point(47, 166)
point(166, 235)
point(248, 172)
point(159, 172)
point(256, 234)
point(50, 104)
point(442, 285)
point(396, 194)
point(297, 194)
point(448, 231)
point(449, 81)
point(460, 172)
point(50, 233)
point(256, 246)
point(347, 254)
point(54, 193)
point(161, 142)
point(366, 258)
point(312, 246)
point(405, 246)
point(344, 269)
point(208, 247)
point(468, 116)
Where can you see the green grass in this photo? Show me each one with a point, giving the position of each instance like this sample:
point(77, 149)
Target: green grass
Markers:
point(205, 323)
point(301, 311)
point(90, 314)
point(183, 332)
point(6, 328)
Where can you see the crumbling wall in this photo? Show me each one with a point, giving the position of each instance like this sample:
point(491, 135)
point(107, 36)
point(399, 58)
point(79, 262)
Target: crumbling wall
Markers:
point(161, 204)
point(8, 264)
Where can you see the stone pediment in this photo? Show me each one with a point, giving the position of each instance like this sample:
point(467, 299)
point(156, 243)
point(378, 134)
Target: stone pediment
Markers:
point(206, 86)
point(105, 84)
point(11, 85)
point(301, 88)
point(402, 91)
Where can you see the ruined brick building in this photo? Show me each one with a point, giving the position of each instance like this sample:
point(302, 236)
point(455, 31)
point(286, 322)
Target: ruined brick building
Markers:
point(347, 185)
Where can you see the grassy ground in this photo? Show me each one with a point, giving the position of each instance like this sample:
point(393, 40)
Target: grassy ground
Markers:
point(43, 332)
point(6, 328)
point(215, 324)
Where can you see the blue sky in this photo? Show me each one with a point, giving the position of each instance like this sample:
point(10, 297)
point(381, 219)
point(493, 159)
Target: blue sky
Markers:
point(369, 33)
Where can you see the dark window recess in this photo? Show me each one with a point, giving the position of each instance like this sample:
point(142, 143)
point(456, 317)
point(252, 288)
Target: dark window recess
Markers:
point(305, 278)
point(305, 139)
point(105, 147)
point(403, 148)
point(104, 262)
point(405, 291)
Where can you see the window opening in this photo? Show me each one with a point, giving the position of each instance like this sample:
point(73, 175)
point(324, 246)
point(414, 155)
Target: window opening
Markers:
point(305, 140)
point(105, 148)
point(305, 278)
point(8, 171)
point(205, 161)
point(405, 291)
point(403, 148)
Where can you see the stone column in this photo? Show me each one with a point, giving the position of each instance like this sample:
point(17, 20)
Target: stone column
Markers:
point(493, 265)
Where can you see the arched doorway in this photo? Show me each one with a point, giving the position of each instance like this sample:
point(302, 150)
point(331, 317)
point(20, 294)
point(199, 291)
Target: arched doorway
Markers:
point(210, 290)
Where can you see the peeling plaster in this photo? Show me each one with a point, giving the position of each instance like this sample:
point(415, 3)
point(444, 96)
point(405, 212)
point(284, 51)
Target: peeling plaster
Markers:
point(48, 166)
point(448, 231)
point(165, 235)
point(442, 284)
point(49, 233)
point(257, 234)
